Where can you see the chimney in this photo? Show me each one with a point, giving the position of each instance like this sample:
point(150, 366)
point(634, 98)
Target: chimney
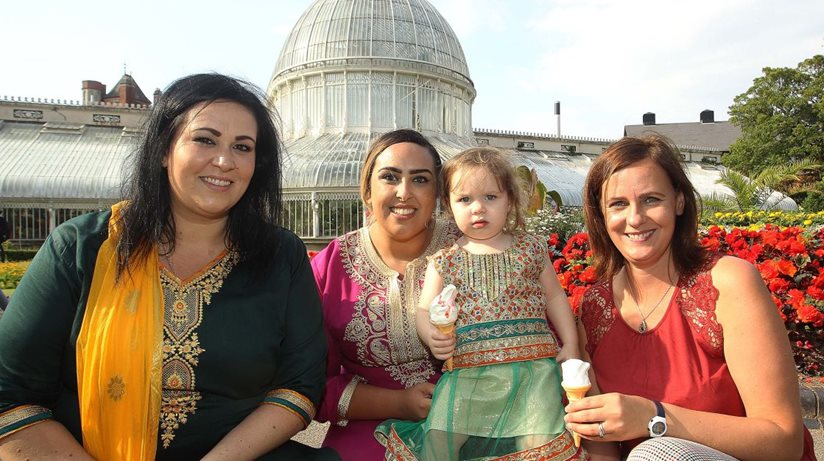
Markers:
point(558, 118)
point(157, 95)
point(93, 92)
point(649, 118)
point(126, 94)
point(707, 116)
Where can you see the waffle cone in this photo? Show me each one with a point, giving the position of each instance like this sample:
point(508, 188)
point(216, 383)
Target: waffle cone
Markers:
point(447, 329)
point(573, 394)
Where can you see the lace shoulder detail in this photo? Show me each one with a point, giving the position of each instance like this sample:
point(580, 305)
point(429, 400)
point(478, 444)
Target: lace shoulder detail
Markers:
point(696, 300)
point(597, 314)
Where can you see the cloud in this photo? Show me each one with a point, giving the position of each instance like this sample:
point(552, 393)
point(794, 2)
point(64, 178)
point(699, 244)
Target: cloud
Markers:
point(619, 59)
point(607, 61)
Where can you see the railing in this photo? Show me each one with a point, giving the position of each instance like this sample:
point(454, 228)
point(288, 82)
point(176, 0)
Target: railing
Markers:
point(322, 214)
point(312, 215)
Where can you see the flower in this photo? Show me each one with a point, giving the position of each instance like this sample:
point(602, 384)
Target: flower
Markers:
point(789, 259)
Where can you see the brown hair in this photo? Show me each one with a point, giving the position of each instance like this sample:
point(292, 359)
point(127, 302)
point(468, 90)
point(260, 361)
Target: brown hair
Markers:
point(687, 253)
point(494, 162)
point(384, 142)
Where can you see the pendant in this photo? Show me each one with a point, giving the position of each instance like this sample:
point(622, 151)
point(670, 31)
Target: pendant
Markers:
point(642, 328)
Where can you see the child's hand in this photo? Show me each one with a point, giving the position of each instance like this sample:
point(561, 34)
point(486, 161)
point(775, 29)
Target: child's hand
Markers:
point(442, 345)
point(569, 351)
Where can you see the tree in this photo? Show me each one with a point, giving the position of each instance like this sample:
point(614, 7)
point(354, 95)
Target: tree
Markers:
point(781, 118)
point(757, 192)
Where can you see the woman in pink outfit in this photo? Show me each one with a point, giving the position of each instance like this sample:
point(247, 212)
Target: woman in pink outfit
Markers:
point(370, 281)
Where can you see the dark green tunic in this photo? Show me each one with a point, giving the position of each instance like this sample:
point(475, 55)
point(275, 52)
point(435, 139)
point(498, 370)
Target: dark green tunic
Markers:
point(255, 335)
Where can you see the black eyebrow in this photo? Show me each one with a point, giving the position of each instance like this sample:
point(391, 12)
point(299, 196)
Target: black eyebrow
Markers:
point(398, 170)
point(218, 133)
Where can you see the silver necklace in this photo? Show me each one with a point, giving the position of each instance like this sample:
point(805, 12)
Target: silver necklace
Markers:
point(642, 328)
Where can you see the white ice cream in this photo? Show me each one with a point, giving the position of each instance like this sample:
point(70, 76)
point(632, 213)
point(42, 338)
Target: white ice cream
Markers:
point(442, 309)
point(575, 373)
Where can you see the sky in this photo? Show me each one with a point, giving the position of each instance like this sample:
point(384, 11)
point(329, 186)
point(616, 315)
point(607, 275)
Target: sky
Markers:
point(607, 61)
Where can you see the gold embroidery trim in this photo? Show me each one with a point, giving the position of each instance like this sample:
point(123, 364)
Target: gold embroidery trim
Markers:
point(300, 401)
point(383, 324)
point(346, 399)
point(501, 342)
point(561, 447)
point(24, 416)
point(487, 274)
point(504, 355)
point(183, 313)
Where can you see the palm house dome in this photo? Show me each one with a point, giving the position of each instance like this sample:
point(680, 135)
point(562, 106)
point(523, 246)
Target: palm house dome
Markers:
point(349, 71)
point(402, 30)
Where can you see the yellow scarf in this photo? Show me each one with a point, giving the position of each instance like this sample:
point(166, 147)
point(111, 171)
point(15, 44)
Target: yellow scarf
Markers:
point(119, 356)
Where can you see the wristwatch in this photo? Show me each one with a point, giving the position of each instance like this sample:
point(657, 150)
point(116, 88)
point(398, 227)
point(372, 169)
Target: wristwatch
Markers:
point(658, 424)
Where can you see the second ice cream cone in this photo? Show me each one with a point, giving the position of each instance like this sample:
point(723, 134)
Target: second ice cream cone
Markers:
point(573, 394)
point(447, 329)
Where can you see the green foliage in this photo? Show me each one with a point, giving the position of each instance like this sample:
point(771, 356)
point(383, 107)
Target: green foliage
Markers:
point(781, 118)
point(754, 193)
point(556, 197)
point(541, 192)
point(717, 202)
point(11, 273)
point(18, 254)
point(530, 187)
point(535, 192)
point(813, 199)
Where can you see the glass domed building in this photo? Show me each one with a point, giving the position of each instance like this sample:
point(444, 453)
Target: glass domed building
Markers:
point(350, 71)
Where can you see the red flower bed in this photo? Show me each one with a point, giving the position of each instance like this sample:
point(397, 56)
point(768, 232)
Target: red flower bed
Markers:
point(790, 262)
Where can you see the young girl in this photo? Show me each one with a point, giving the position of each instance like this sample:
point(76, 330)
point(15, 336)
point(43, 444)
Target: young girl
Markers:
point(503, 396)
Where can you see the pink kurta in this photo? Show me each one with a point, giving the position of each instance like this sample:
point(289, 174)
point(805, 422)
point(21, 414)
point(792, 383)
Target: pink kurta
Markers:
point(679, 361)
point(369, 314)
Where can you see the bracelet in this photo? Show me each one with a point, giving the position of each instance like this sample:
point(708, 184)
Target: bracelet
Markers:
point(346, 398)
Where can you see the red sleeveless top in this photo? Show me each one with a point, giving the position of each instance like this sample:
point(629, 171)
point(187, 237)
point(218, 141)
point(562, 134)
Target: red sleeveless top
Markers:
point(679, 361)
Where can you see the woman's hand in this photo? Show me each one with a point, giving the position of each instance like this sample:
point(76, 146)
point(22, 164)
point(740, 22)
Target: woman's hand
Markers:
point(441, 344)
point(416, 400)
point(623, 417)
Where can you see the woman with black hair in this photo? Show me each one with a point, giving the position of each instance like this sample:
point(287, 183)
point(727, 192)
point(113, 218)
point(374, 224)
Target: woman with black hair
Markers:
point(183, 323)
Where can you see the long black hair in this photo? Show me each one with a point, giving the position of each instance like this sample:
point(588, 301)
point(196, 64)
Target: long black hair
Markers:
point(147, 219)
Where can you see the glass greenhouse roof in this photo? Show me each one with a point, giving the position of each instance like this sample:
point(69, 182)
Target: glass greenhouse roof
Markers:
point(69, 163)
point(333, 161)
point(62, 161)
point(410, 30)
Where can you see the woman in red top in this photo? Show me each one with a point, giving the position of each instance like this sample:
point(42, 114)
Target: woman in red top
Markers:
point(687, 347)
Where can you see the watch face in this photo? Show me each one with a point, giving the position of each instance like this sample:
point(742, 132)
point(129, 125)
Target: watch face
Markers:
point(658, 428)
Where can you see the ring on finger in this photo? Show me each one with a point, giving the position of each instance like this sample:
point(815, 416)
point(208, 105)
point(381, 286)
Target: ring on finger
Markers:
point(601, 431)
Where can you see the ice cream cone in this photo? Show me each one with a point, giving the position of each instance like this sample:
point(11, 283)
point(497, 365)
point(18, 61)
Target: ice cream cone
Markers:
point(573, 394)
point(447, 329)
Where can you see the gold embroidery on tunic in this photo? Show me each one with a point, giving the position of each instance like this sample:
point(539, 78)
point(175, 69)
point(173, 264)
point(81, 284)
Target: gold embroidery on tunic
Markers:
point(383, 326)
point(183, 313)
point(486, 274)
